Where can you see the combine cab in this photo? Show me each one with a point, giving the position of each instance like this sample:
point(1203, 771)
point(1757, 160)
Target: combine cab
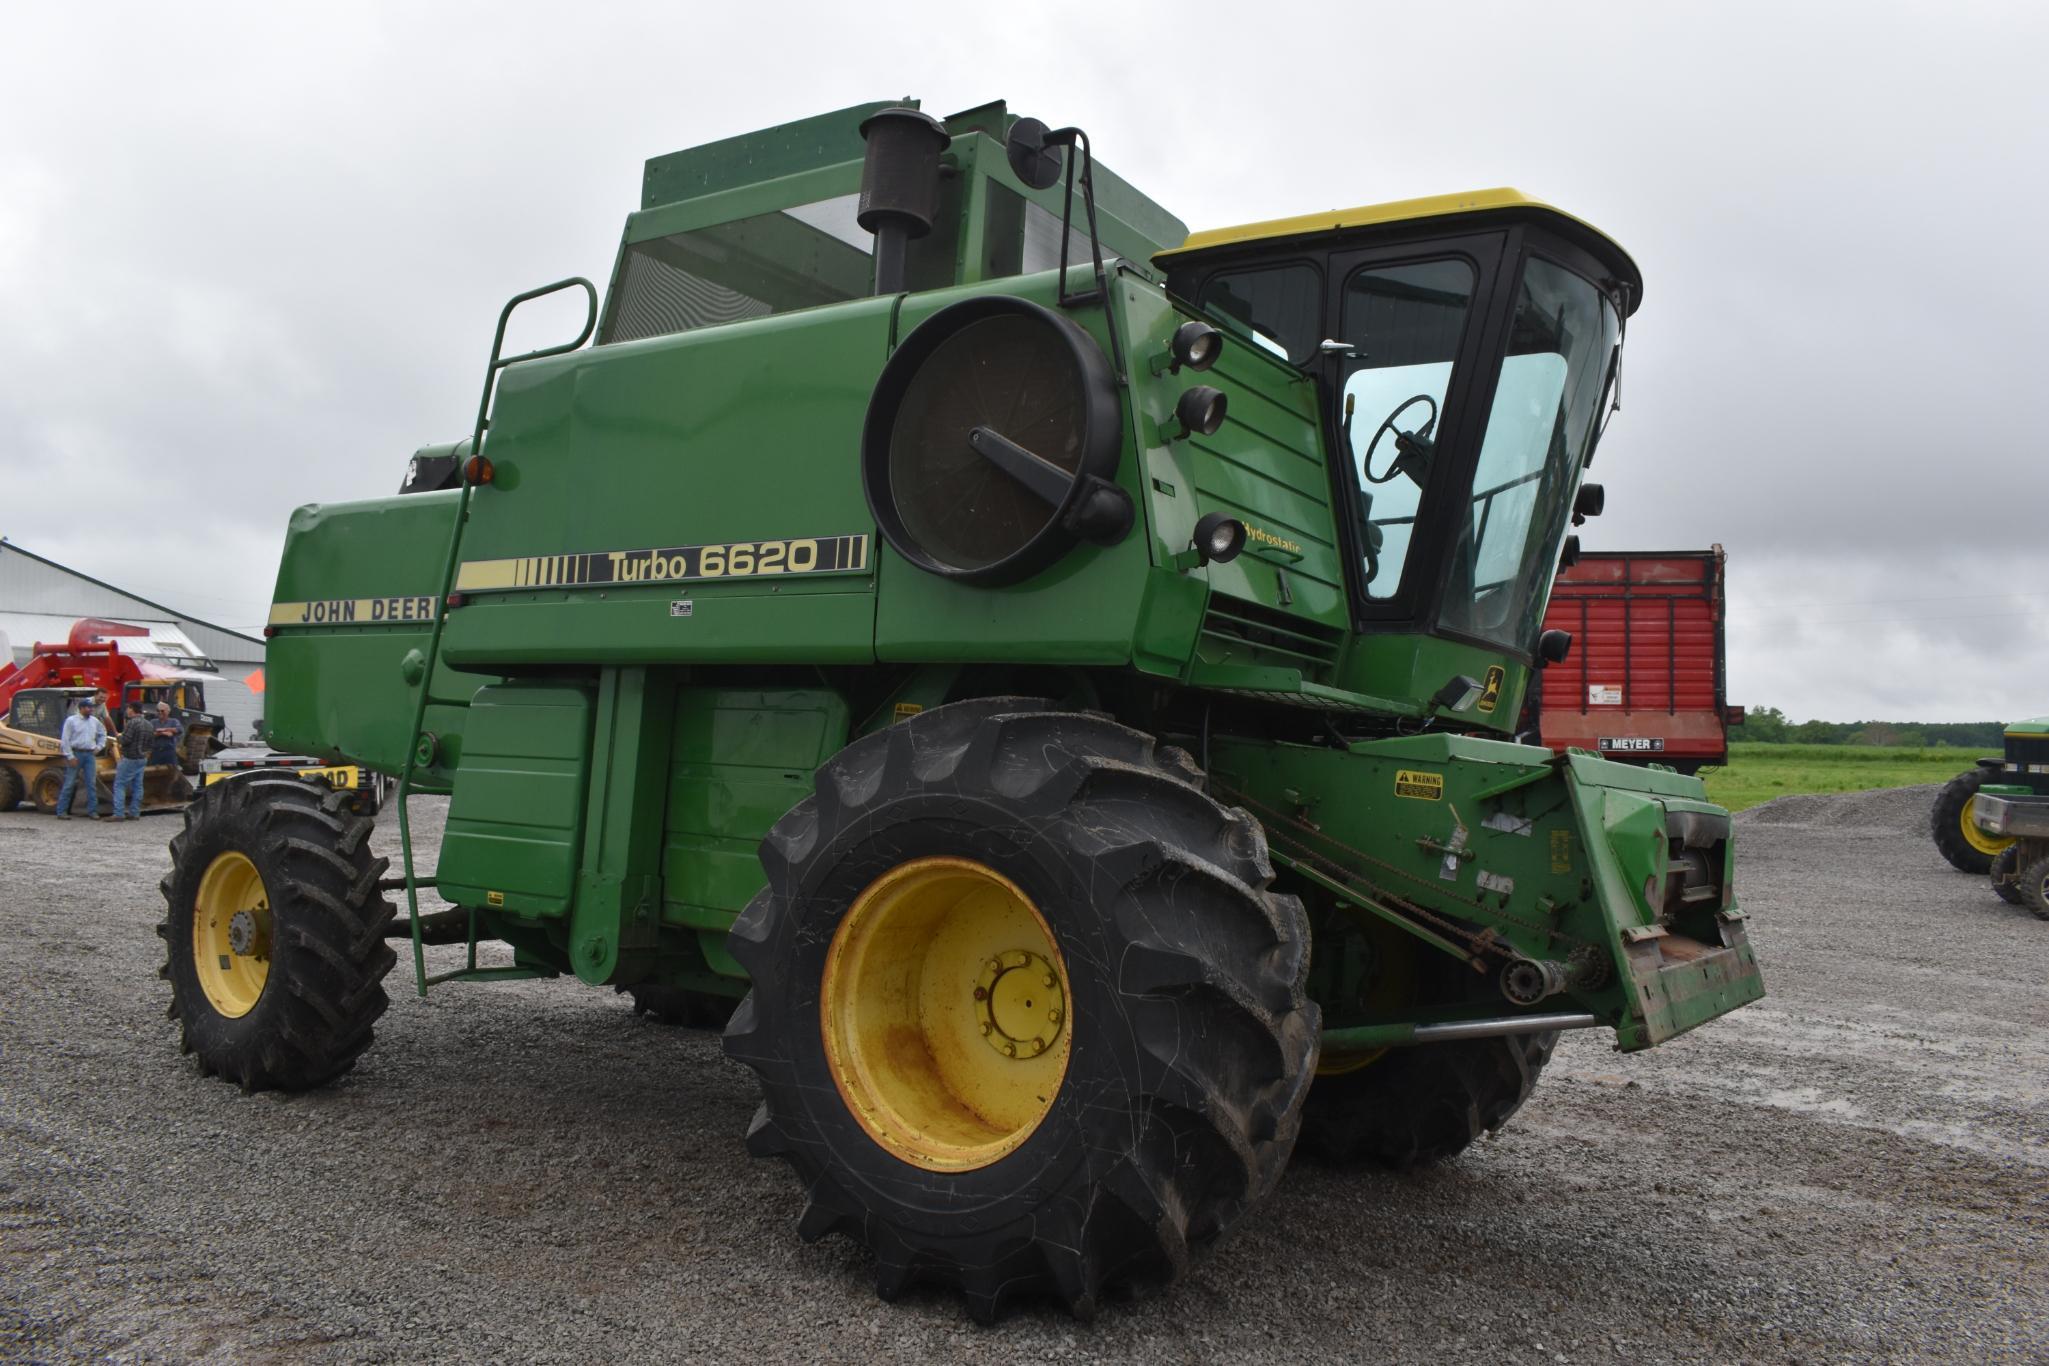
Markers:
point(1045, 675)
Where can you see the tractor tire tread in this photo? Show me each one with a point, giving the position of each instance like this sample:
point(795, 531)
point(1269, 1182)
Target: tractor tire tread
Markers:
point(1221, 958)
point(1423, 1104)
point(1946, 819)
point(325, 992)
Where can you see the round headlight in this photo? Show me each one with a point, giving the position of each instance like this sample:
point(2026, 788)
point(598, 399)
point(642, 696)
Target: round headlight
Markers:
point(1201, 410)
point(1196, 346)
point(1218, 538)
point(991, 440)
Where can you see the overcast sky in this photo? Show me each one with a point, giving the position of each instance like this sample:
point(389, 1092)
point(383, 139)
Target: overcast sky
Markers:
point(250, 256)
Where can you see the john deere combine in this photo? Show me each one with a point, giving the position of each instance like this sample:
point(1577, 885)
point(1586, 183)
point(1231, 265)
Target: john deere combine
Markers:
point(1046, 667)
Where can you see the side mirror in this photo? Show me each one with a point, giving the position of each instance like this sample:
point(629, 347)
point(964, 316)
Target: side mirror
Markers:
point(1032, 159)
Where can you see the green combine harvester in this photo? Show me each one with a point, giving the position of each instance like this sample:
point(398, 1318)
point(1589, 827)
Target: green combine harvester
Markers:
point(1043, 674)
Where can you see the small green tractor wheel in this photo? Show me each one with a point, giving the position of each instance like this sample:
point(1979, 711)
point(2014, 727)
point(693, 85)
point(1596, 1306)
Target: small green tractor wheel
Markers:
point(1957, 836)
point(274, 932)
point(2034, 886)
point(12, 788)
point(680, 1006)
point(1027, 1018)
point(2006, 876)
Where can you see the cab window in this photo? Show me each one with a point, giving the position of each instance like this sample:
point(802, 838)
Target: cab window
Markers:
point(1279, 307)
point(1404, 324)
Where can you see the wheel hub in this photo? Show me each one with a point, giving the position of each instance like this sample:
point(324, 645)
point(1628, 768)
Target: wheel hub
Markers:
point(249, 932)
point(1019, 1004)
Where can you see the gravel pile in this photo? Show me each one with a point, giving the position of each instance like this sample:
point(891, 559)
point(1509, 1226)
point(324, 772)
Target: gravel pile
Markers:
point(1856, 1167)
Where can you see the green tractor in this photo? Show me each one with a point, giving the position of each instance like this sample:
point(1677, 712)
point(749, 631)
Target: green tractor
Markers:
point(2022, 770)
point(1045, 676)
point(1995, 818)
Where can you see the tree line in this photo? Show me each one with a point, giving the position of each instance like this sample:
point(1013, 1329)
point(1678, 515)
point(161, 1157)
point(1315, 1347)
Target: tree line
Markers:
point(1772, 726)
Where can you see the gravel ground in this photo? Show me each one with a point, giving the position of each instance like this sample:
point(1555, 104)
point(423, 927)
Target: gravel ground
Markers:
point(1857, 1166)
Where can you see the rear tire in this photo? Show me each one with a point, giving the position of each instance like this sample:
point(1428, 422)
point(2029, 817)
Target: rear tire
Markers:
point(1159, 1107)
point(47, 786)
point(274, 933)
point(1967, 848)
point(1422, 1104)
point(12, 789)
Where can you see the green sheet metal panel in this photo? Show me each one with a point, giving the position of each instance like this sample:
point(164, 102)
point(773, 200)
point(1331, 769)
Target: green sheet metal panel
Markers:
point(515, 824)
point(741, 758)
point(742, 434)
point(355, 593)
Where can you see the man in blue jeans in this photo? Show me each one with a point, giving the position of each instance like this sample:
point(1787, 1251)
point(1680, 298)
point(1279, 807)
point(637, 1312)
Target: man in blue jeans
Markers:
point(136, 738)
point(83, 738)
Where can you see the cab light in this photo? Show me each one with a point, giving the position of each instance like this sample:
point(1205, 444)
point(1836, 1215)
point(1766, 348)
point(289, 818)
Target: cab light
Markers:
point(1218, 538)
point(1196, 346)
point(1200, 410)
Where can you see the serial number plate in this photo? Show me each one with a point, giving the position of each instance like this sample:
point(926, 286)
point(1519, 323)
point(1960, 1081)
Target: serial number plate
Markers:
point(1635, 743)
point(670, 564)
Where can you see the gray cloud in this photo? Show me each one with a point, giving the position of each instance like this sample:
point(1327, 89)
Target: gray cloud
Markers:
point(251, 256)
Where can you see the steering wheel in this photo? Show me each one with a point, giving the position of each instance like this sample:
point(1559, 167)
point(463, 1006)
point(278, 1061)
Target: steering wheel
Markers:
point(1387, 425)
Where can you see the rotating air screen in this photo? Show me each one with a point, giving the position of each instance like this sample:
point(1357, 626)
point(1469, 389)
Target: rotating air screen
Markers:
point(990, 442)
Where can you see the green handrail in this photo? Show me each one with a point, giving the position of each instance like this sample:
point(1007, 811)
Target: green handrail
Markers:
point(440, 620)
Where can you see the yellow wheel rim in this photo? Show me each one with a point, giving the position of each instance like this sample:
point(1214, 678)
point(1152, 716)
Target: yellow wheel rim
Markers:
point(946, 1014)
point(1392, 990)
point(1978, 839)
point(231, 934)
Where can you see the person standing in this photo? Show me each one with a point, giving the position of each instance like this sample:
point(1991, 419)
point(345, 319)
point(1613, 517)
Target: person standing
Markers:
point(164, 747)
point(136, 738)
point(83, 738)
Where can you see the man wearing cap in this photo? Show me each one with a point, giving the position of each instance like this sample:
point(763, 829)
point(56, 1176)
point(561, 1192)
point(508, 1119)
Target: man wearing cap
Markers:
point(83, 738)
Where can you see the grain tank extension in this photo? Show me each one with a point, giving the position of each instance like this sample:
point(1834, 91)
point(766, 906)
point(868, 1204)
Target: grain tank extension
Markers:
point(1045, 675)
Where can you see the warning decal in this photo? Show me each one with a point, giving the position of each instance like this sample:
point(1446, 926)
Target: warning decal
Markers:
point(1425, 786)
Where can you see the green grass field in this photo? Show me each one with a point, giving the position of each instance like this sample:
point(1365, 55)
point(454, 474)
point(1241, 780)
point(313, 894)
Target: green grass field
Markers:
point(1759, 772)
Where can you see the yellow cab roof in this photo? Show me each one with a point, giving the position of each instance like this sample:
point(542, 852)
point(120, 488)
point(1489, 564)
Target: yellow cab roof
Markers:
point(1500, 200)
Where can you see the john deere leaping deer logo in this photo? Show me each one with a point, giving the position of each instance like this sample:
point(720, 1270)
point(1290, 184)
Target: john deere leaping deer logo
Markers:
point(1491, 694)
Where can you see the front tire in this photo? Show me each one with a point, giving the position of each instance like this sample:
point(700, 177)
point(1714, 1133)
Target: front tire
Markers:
point(274, 933)
point(1957, 836)
point(2034, 886)
point(1027, 1017)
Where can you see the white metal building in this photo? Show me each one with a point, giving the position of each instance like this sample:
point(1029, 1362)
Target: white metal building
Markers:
point(40, 599)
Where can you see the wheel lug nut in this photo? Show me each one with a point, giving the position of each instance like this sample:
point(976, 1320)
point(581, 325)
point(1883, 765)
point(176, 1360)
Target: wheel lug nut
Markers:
point(981, 995)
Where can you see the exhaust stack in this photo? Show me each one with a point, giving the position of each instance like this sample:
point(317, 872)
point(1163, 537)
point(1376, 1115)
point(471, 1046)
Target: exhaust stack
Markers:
point(899, 187)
